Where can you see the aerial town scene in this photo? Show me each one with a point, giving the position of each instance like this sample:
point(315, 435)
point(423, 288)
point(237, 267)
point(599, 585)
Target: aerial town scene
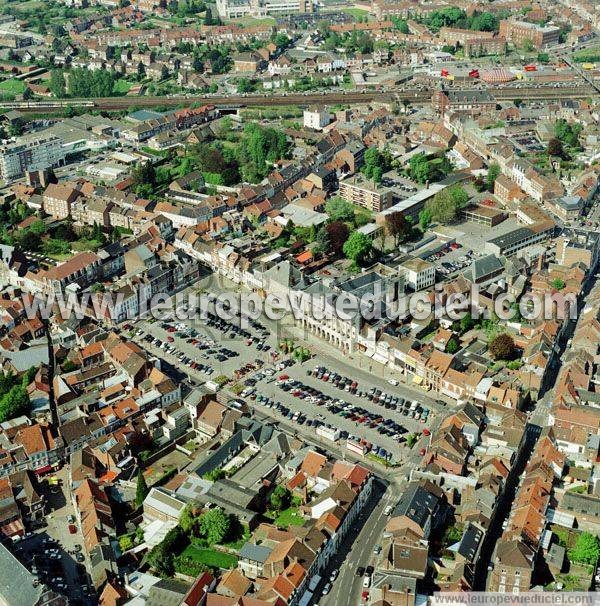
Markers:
point(299, 302)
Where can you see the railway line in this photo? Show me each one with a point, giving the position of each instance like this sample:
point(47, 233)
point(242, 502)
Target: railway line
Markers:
point(412, 95)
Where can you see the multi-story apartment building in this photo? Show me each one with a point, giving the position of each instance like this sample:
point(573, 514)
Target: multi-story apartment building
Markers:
point(58, 199)
point(316, 118)
point(30, 153)
point(520, 32)
point(366, 193)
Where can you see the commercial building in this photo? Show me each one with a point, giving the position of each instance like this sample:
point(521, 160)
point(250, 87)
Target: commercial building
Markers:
point(234, 9)
point(484, 215)
point(30, 153)
point(510, 243)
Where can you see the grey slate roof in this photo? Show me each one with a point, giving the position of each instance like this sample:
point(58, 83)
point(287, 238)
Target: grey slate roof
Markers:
point(16, 582)
point(255, 553)
point(485, 266)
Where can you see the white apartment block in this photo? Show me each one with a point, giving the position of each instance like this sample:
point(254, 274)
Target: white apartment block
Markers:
point(29, 153)
point(419, 274)
point(317, 119)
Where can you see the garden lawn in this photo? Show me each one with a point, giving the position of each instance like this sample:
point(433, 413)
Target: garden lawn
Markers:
point(12, 86)
point(210, 557)
point(289, 517)
point(121, 87)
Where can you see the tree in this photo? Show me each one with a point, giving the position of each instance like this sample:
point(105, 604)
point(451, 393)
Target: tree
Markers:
point(208, 17)
point(453, 345)
point(492, 175)
point(557, 283)
point(14, 403)
point(87, 83)
point(446, 205)
point(57, 83)
point(214, 525)
point(358, 247)
point(215, 474)
point(587, 549)
point(197, 64)
point(141, 489)
point(400, 24)
point(141, 71)
point(188, 520)
point(125, 543)
point(419, 168)
point(568, 133)
point(280, 498)
point(555, 147)
point(162, 557)
point(339, 209)
point(246, 85)
point(38, 227)
point(502, 347)
point(376, 163)
point(322, 242)
point(466, 323)
point(543, 57)
point(337, 233)
point(424, 219)
point(528, 45)
point(397, 227)
point(27, 94)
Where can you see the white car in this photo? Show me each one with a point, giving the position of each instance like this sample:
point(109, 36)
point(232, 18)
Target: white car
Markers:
point(393, 382)
point(367, 582)
point(388, 510)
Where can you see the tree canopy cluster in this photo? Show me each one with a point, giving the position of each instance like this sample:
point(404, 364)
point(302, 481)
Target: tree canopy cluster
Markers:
point(213, 526)
point(423, 169)
point(162, 557)
point(456, 17)
point(82, 82)
point(376, 163)
point(445, 206)
point(568, 134)
point(502, 347)
point(14, 400)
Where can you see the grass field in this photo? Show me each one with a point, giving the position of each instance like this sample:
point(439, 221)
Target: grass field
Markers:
point(210, 557)
point(588, 55)
point(121, 87)
point(12, 86)
point(356, 12)
point(252, 22)
point(289, 517)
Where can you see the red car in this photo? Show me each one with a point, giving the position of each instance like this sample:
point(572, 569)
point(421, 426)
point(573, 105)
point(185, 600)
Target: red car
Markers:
point(422, 452)
point(170, 339)
point(171, 329)
point(283, 377)
point(426, 432)
point(72, 529)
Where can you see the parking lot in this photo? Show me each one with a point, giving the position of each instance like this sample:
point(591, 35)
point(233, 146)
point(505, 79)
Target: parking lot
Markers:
point(381, 420)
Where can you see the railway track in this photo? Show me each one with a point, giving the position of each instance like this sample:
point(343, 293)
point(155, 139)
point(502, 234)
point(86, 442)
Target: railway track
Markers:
point(414, 96)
